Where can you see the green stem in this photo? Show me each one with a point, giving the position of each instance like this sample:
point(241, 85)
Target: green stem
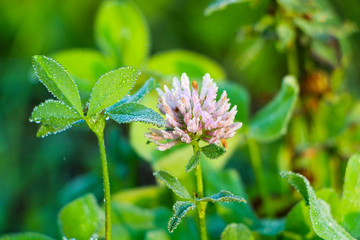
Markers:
point(201, 206)
point(106, 180)
point(261, 183)
point(292, 61)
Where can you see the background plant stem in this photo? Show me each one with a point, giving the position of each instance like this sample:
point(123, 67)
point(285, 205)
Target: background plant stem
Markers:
point(259, 176)
point(106, 180)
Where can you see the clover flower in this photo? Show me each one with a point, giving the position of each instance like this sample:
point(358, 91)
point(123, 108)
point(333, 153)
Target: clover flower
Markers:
point(193, 115)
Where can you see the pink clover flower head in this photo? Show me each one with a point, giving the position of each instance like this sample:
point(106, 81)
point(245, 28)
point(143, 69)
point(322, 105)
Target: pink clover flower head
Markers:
point(191, 114)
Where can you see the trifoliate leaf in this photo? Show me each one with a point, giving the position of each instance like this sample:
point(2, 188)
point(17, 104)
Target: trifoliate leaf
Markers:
point(134, 112)
point(322, 221)
point(193, 162)
point(220, 5)
point(111, 88)
point(80, 218)
point(148, 86)
point(236, 231)
point(180, 210)
point(58, 81)
point(213, 151)
point(172, 183)
point(272, 121)
point(222, 196)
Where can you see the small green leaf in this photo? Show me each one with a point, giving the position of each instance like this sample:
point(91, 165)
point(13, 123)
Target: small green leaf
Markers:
point(148, 86)
point(26, 236)
point(299, 7)
point(271, 122)
point(52, 112)
point(80, 218)
point(350, 201)
point(218, 5)
point(180, 210)
point(134, 112)
point(213, 151)
point(57, 81)
point(286, 33)
point(323, 223)
point(121, 32)
point(222, 196)
point(111, 88)
point(236, 231)
point(173, 183)
point(55, 116)
point(193, 162)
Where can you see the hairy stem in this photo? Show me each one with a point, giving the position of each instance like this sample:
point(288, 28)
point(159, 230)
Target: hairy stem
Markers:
point(201, 206)
point(259, 176)
point(106, 180)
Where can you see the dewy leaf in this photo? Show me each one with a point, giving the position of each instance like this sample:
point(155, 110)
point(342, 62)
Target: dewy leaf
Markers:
point(350, 201)
point(180, 209)
point(148, 86)
point(80, 218)
point(193, 162)
point(134, 112)
point(236, 231)
point(219, 5)
point(55, 116)
point(122, 33)
point(111, 87)
point(213, 151)
point(271, 122)
point(323, 223)
point(222, 196)
point(57, 81)
point(173, 183)
point(25, 236)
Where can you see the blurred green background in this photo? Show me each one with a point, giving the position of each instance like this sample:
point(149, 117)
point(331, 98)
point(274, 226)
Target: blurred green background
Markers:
point(40, 175)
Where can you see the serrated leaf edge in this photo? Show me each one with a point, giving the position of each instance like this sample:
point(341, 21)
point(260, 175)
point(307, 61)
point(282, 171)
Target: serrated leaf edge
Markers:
point(230, 198)
point(183, 214)
point(180, 194)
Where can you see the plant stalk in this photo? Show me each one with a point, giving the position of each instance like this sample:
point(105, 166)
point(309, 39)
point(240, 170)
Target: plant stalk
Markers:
point(261, 183)
point(107, 196)
point(201, 206)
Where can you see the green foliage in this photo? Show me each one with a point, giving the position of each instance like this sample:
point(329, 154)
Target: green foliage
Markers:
point(218, 5)
point(350, 201)
point(57, 81)
point(111, 88)
point(26, 236)
point(222, 196)
point(134, 112)
point(213, 151)
point(272, 121)
point(172, 183)
point(80, 218)
point(122, 33)
point(55, 116)
point(323, 222)
point(148, 86)
point(193, 162)
point(176, 62)
point(180, 208)
point(157, 235)
point(236, 232)
point(85, 66)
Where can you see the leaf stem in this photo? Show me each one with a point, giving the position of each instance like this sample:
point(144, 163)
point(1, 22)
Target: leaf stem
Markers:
point(261, 183)
point(201, 206)
point(107, 196)
point(292, 61)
